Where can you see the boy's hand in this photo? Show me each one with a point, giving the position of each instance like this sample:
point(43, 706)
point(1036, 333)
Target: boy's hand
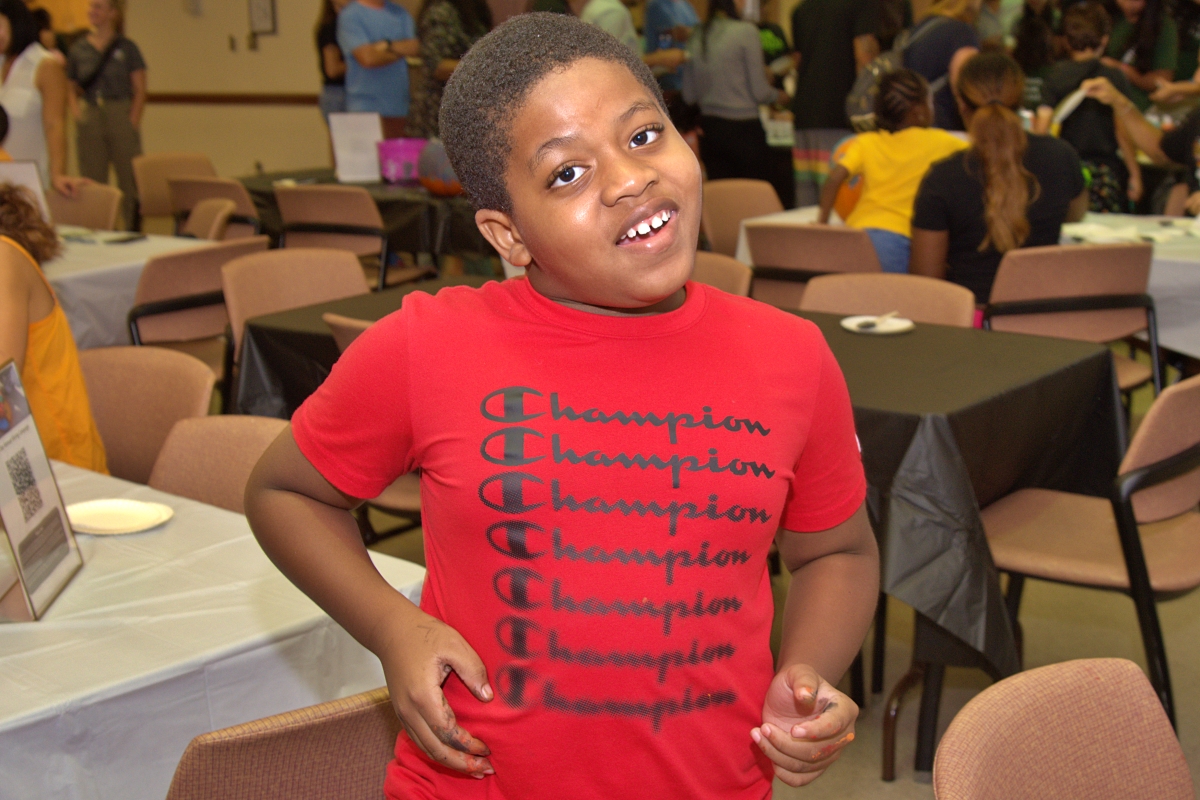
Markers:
point(417, 658)
point(1100, 89)
point(806, 723)
point(1135, 186)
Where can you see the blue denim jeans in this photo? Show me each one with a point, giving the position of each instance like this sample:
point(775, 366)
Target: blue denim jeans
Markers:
point(892, 249)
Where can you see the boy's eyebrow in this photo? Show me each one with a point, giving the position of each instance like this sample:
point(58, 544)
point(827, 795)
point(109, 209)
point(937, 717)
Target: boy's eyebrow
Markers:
point(558, 141)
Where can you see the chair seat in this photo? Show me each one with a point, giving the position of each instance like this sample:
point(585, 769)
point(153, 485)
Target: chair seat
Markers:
point(1073, 538)
point(1130, 373)
point(210, 350)
point(403, 495)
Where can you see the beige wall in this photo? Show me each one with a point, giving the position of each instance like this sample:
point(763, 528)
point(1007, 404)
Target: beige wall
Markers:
point(67, 15)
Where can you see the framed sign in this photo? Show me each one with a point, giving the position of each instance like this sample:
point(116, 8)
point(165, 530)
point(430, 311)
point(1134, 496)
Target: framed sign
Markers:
point(262, 17)
point(38, 553)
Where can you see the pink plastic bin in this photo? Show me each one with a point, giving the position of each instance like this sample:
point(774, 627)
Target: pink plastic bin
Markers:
point(398, 159)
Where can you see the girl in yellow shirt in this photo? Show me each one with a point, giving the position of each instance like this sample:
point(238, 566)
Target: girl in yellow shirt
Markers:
point(892, 161)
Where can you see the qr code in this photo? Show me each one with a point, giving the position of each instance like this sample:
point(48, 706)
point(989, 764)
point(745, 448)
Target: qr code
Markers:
point(20, 472)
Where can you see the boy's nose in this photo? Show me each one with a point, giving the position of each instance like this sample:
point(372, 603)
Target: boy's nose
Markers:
point(627, 177)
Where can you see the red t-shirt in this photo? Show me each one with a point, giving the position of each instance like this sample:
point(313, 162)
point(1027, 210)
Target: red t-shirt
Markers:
point(599, 495)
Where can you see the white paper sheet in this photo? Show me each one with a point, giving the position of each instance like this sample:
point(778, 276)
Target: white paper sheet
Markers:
point(355, 152)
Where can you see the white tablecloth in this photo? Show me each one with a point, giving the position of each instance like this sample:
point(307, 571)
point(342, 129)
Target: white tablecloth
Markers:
point(96, 283)
point(162, 636)
point(1174, 274)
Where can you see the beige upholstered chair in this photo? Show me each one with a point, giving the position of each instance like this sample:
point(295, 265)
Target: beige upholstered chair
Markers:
point(1144, 540)
point(186, 192)
point(338, 749)
point(179, 303)
point(727, 202)
point(913, 296)
point(403, 496)
point(209, 219)
point(137, 396)
point(210, 458)
point(1088, 728)
point(725, 273)
point(786, 255)
point(340, 217)
point(1109, 279)
point(94, 206)
point(151, 171)
point(278, 280)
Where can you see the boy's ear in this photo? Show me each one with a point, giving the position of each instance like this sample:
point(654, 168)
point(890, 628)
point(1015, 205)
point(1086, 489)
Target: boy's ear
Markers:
point(500, 230)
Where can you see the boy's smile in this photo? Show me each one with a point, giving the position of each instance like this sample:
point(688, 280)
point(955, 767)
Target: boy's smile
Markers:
point(605, 193)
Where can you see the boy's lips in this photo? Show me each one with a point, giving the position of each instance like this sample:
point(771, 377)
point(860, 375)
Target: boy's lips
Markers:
point(647, 222)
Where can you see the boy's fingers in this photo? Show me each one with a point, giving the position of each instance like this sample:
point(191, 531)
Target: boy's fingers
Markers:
point(431, 745)
point(831, 721)
point(434, 710)
point(470, 669)
point(795, 756)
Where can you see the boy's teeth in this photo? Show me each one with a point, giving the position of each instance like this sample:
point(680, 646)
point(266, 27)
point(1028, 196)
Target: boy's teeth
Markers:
point(632, 232)
point(643, 228)
point(656, 222)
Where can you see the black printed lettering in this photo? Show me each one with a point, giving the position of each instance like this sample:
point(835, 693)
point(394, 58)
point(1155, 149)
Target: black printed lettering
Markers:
point(512, 586)
point(514, 447)
point(512, 492)
point(668, 559)
point(511, 682)
point(513, 635)
point(671, 420)
point(659, 662)
point(676, 463)
point(674, 511)
point(667, 610)
point(654, 710)
point(511, 537)
point(513, 404)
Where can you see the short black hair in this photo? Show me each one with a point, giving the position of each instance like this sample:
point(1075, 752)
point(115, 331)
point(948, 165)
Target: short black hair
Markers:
point(1085, 25)
point(24, 29)
point(899, 91)
point(492, 81)
point(3, 125)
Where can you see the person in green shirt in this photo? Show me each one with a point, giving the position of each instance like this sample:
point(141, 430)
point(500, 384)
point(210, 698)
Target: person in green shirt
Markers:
point(1144, 45)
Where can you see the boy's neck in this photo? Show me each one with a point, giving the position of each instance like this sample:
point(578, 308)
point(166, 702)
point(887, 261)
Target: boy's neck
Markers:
point(1085, 55)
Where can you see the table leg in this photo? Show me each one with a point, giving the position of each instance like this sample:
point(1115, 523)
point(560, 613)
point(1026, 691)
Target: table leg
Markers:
point(910, 679)
point(931, 700)
point(880, 645)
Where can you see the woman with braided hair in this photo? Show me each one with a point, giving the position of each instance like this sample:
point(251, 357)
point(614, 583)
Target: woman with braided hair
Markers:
point(892, 161)
point(1009, 189)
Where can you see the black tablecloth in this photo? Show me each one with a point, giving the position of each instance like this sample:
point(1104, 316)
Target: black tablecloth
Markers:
point(411, 216)
point(950, 419)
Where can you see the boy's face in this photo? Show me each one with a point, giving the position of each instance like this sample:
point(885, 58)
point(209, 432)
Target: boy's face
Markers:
point(594, 158)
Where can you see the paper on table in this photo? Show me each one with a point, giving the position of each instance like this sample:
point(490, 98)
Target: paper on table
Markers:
point(355, 152)
point(1101, 234)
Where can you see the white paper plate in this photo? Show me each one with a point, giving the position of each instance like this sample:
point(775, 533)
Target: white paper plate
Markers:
point(885, 327)
point(110, 517)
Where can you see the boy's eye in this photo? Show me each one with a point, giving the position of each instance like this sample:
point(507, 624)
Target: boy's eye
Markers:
point(646, 136)
point(566, 176)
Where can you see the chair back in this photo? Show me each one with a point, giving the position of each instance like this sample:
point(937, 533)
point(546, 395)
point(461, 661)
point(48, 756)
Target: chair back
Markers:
point(151, 172)
point(337, 749)
point(94, 206)
point(278, 280)
point(345, 329)
point(137, 395)
point(185, 273)
point(1090, 728)
point(729, 201)
point(916, 297)
point(1059, 271)
point(209, 219)
point(315, 206)
point(811, 248)
point(210, 458)
point(186, 192)
point(722, 272)
point(1171, 426)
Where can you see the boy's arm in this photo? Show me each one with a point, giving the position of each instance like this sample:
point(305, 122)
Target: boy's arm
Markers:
point(304, 525)
point(837, 176)
point(1041, 122)
point(1129, 155)
point(834, 589)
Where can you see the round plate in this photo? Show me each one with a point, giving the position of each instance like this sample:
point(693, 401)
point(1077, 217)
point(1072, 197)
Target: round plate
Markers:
point(115, 516)
point(886, 327)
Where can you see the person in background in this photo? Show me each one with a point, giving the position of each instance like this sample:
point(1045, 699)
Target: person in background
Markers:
point(725, 76)
point(892, 161)
point(989, 27)
point(669, 24)
point(833, 40)
point(1177, 145)
point(34, 333)
point(447, 29)
point(1107, 152)
point(376, 36)
point(1009, 189)
point(108, 76)
point(34, 92)
point(940, 44)
point(4, 156)
point(613, 17)
point(329, 55)
point(46, 34)
point(1144, 45)
point(1035, 37)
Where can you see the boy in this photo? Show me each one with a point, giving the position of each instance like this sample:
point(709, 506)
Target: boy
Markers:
point(1104, 147)
point(606, 454)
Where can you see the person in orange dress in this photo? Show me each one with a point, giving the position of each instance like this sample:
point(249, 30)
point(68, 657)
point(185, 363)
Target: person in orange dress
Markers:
point(34, 333)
